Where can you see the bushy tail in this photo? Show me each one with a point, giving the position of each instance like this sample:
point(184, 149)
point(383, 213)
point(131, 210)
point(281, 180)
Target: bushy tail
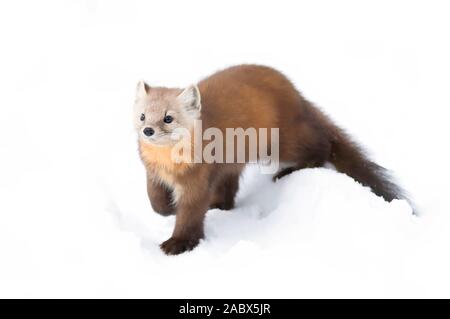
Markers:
point(349, 158)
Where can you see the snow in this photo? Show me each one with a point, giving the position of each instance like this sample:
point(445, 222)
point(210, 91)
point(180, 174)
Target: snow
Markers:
point(75, 220)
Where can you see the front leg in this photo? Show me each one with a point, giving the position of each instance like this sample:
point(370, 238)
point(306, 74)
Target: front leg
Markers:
point(160, 197)
point(191, 209)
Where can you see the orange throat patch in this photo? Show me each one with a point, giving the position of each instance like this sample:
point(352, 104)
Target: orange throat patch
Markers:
point(159, 159)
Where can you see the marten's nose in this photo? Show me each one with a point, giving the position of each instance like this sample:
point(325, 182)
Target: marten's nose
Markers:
point(149, 131)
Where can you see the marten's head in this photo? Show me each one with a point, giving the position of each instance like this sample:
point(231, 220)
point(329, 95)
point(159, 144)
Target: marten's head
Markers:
point(159, 112)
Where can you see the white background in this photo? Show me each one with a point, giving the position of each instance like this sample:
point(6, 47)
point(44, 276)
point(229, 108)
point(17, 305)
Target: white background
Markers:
point(74, 217)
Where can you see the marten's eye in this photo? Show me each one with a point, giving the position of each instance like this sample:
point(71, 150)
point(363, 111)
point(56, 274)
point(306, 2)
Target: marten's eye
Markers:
point(168, 119)
point(142, 117)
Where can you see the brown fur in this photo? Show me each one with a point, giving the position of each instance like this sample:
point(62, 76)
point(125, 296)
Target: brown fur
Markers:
point(250, 96)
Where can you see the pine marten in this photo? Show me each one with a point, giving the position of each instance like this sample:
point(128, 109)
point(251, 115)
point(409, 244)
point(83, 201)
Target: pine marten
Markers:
point(243, 96)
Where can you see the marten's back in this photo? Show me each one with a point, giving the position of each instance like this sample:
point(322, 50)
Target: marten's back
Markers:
point(249, 96)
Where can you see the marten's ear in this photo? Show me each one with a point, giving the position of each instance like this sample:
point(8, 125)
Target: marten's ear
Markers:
point(190, 98)
point(142, 89)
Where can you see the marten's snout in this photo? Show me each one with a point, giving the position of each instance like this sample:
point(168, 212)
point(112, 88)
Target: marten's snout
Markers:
point(148, 131)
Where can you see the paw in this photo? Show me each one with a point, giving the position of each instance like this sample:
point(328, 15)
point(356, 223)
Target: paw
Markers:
point(163, 210)
point(278, 176)
point(175, 246)
point(165, 213)
point(222, 206)
point(283, 172)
